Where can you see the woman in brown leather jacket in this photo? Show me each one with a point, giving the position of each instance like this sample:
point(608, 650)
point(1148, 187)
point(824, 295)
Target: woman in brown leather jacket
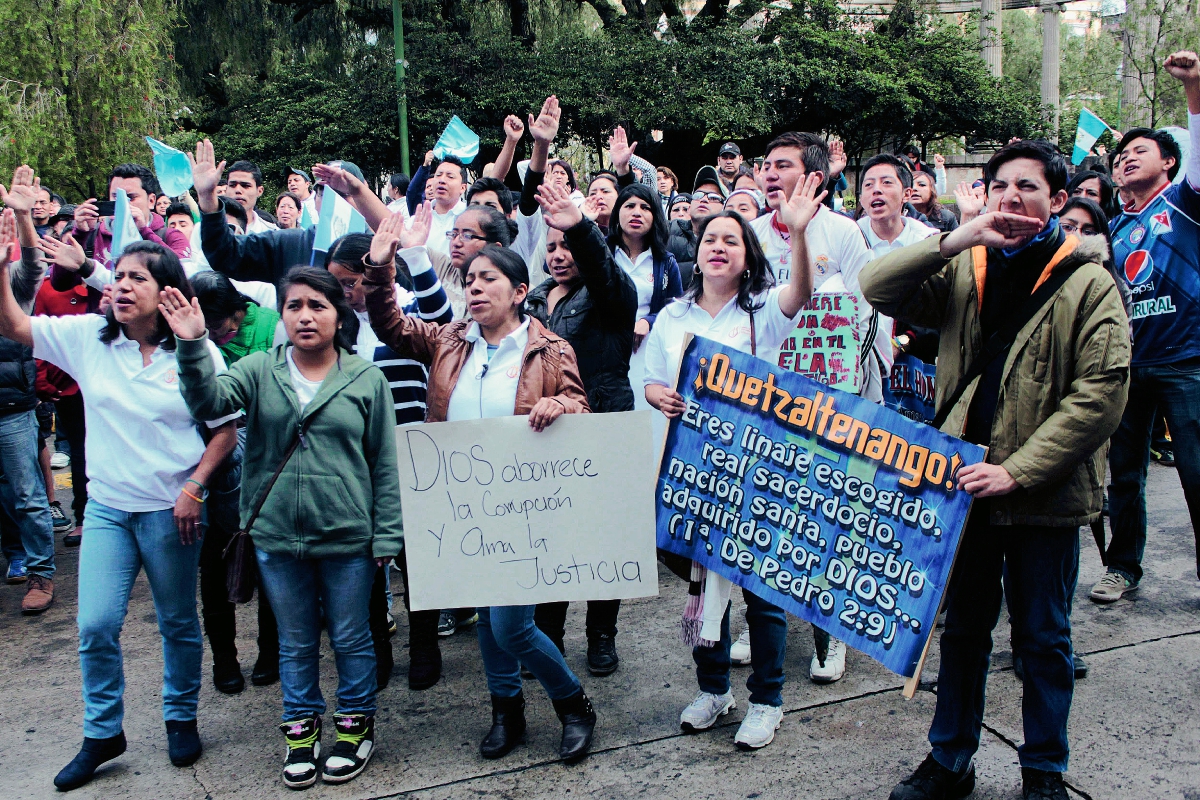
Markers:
point(509, 364)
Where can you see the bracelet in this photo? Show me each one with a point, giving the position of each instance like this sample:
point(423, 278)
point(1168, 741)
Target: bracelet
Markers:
point(561, 403)
point(201, 486)
point(189, 494)
point(367, 262)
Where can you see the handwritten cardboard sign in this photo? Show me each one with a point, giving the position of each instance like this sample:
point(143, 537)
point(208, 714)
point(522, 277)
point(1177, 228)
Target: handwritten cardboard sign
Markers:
point(826, 343)
point(496, 514)
point(840, 511)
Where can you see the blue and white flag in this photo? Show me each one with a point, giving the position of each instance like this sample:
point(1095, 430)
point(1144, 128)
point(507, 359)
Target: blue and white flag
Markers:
point(124, 229)
point(171, 167)
point(305, 218)
point(1090, 129)
point(457, 140)
point(338, 218)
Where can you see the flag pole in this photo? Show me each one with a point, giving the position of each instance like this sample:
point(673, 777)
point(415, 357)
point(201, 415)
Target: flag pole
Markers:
point(401, 94)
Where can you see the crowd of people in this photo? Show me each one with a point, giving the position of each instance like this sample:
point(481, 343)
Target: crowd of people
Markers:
point(221, 378)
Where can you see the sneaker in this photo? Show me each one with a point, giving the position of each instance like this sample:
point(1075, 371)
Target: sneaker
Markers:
point(702, 713)
point(73, 539)
point(303, 737)
point(39, 595)
point(1163, 455)
point(62, 523)
point(60, 461)
point(1111, 588)
point(932, 781)
point(391, 625)
point(602, 655)
point(467, 622)
point(1039, 785)
point(447, 623)
point(16, 571)
point(834, 666)
point(759, 726)
point(739, 653)
point(353, 748)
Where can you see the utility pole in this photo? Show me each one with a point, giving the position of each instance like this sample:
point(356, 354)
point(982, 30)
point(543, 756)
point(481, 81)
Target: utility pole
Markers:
point(401, 93)
point(989, 33)
point(1051, 13)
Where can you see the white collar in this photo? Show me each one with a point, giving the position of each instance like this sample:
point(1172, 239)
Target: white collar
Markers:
point(874, 239)
point(519, 337)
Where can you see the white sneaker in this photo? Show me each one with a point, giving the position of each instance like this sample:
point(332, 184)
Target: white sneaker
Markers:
point(835, 663)
point(1111, 588)
point(703, 712)
point(739, 653)
point(60, 461)
point(759, 726)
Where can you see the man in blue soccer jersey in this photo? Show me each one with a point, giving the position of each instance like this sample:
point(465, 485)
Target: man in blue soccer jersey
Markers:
point(1156, 246)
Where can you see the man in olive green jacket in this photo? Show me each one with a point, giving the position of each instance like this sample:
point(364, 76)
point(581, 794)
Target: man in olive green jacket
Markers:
point(1044, 408)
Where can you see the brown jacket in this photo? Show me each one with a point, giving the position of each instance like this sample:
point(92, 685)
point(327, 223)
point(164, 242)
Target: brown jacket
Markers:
point(548, 368)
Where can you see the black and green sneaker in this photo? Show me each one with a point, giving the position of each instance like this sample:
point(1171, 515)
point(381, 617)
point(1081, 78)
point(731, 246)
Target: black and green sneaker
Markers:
point(353, 748)
point(303, 737)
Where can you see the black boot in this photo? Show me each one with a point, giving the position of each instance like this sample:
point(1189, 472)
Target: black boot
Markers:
point(1039, 785)
point(508, 726)
point(932, 781)
point(578, 720)
point(602, 654)
point(183, 742)
point(266, 669)
point(227, 674)
point(424, 666)
point(93, 753)
point(384, 664)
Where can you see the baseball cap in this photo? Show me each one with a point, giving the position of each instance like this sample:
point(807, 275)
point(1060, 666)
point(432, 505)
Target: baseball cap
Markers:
point(709, 174)
point(729, 148)
point(300, 172)
point(682, 197)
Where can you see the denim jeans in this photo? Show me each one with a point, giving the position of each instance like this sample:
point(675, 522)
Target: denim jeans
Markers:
point(1174, 390)
point(1035, 568)
point(117, 546)
point(768, 643)
point(508, 638)
point(299, 589)
point(23, 492)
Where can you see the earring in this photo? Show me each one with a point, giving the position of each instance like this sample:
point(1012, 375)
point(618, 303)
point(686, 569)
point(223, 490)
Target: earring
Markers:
point(696, 269)
point(746, 275)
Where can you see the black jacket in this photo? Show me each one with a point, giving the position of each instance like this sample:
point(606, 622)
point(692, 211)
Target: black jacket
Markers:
point(18, 370)
point(265, 256)
point(596, 317)
point(682, 244)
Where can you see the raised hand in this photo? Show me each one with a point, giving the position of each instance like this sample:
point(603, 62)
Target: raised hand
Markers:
point(337, 179)
point(939, 161)
point(513, 128)
point(969, 204)
point(416, 232)
point(590, 208)
point(803, 205)
point(23, 194)
point(387, 239)
point(68, 253)
point(138, 219)
point(998, 229)
point(544, 127)
point(186, 319)
point(837, 158)
point(10, 249)
point(558, 209)
point(620, 150)
point(206, 174)
point(1184, 66)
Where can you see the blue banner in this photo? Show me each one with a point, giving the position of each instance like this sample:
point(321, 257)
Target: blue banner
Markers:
point(838, 510)
point(909, 389)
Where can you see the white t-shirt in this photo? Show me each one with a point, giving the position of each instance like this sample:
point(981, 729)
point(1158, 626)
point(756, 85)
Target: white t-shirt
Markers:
point(306, 390)
point(142, 443)
point(837, 247)
point(912, 232)
point(310, 203)
point(257, 224)
point(488, 388)
point(438, 225)
point(730, 327)
point(641, 272)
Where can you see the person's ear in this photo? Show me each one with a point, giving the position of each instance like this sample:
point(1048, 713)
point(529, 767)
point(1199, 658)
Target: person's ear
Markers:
point(1058, 201)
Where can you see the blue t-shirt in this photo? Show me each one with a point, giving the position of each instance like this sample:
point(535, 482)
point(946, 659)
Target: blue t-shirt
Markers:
point(1157, 252)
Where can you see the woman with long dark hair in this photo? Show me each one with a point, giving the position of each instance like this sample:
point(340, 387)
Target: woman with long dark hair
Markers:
point(731, 300)
point(924, 198)
point(148, 469)
point(501, 362)
point(1097, 187)
point(321, 464)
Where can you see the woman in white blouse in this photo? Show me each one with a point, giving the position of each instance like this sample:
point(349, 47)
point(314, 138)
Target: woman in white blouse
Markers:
point(731, 301)
point(147, 469)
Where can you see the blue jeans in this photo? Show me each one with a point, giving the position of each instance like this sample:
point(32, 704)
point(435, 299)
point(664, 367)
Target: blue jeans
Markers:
point(299, 589)
point(23, 493)
point(1174, 390)
point(1036, 569)
point(768, 643)
point(117, 546)
point(508, 638)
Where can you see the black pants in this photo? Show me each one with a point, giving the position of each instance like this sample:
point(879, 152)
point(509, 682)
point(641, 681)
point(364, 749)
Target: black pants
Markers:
point(422, 625)
point(69, 411)
point(551, 619)
point(218, 612)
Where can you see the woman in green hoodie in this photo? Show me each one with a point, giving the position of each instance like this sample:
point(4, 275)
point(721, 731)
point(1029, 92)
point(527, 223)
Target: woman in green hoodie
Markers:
point(332, 517)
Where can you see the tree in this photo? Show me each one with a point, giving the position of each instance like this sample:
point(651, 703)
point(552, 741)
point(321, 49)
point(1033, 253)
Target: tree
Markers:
point(1153, 29)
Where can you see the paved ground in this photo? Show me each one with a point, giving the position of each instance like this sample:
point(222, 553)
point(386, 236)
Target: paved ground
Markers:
point(1135, 727)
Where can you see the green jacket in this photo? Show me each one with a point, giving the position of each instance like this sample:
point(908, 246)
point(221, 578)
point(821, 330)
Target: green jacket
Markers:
point(256, 333)
point(1064, 382)
point(339, 494)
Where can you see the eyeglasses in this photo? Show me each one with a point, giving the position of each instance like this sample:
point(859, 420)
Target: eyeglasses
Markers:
point(467, 236)
point(708, 196)
point(1071, 227)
